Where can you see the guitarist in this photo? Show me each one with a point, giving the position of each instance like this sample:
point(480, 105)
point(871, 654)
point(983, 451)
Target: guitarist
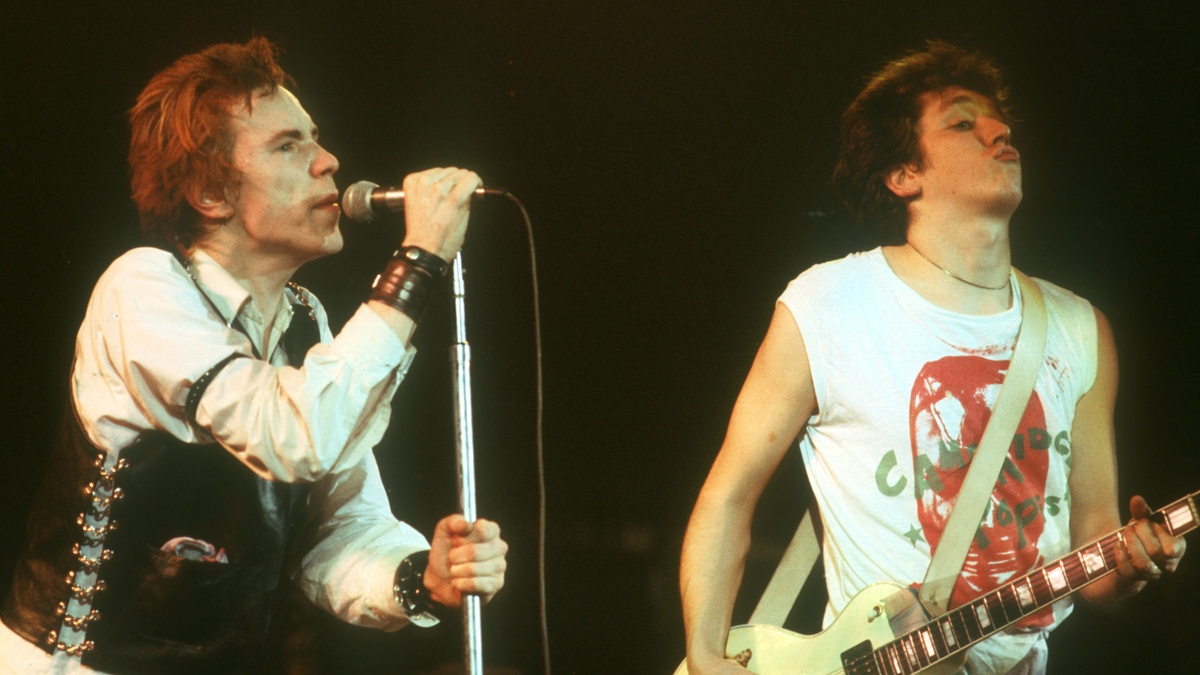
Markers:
point(886, 364)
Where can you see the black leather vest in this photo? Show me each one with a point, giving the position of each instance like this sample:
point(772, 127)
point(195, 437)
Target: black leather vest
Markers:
point(153, 611)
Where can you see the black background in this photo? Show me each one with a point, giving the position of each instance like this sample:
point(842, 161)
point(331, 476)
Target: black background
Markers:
point(674, 157)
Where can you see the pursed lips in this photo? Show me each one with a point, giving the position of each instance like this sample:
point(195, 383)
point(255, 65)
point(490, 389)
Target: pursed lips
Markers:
point(1008, 153)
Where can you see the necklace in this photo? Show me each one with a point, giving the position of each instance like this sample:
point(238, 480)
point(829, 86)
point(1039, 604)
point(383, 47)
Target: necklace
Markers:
point(955, 276)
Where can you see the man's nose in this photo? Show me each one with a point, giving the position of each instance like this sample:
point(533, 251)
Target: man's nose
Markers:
point(998, 133)
point(324, 163)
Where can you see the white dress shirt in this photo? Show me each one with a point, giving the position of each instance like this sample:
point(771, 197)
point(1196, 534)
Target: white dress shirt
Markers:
point(149, 334)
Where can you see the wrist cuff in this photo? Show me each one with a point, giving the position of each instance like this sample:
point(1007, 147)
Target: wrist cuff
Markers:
point(405, 286)
point(427, 261)
point(410, 591)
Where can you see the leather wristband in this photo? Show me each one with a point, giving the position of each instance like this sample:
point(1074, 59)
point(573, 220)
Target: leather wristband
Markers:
point(427, 261)
point(405, 286)
point(409, 586)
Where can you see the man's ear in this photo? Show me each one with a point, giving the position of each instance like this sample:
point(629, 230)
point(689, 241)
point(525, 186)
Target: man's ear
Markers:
point(904, 181)
point(211, 204)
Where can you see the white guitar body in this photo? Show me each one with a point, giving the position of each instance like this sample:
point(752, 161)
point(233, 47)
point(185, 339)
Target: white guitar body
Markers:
point(775, 651)
point(884, 631)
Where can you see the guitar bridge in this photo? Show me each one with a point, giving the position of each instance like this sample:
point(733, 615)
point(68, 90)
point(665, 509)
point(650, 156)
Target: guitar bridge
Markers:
point(860, 660)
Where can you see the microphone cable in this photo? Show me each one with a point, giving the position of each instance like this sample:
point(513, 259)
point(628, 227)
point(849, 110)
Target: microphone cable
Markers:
point(541, 467)
point(538, 443)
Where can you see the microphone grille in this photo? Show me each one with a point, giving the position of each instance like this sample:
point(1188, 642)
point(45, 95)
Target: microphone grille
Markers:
point(356, 201)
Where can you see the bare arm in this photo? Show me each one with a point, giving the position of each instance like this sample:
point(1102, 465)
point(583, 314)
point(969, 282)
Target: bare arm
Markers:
point(774, 404)
point(1094, 510)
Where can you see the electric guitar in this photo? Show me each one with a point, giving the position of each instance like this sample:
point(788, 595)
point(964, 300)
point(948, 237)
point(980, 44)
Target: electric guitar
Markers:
point(861, 642)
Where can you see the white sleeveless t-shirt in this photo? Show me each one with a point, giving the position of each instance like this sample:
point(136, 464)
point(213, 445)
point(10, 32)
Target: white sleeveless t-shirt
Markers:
point(904, 390)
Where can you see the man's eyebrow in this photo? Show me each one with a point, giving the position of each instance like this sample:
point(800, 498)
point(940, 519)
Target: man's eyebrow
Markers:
point(286, 133)
point(294, 134)
point(986, 106)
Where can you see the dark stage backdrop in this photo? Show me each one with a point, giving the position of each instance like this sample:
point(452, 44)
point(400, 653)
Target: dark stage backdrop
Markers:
point(674, 157)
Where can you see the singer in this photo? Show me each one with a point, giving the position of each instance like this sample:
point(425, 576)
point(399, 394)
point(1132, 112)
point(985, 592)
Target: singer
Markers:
point(219, 439)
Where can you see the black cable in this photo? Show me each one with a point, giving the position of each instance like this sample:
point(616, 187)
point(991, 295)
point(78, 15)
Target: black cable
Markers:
point(541, 472)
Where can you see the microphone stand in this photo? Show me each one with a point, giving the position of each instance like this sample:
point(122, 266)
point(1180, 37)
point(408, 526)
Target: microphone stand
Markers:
point(460, 358)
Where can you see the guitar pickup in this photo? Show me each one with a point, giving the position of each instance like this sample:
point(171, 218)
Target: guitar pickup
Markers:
point(860, 660)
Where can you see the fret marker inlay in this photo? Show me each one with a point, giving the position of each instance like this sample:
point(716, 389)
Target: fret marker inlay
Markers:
point(1025, 595)
point(1180, 518)
point(948, 633)
point(982, 614)
point(927, 642)
point(1057, 578)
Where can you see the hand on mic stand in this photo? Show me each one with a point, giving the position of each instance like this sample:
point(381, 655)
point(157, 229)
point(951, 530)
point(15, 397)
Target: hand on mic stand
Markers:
point(465, 558)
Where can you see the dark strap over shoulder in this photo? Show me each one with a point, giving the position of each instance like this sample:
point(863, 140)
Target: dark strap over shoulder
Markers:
point(302, 333)
point(201, 384)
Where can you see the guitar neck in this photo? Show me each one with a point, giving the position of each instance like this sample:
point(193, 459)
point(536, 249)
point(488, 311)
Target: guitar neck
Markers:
point(964, 626)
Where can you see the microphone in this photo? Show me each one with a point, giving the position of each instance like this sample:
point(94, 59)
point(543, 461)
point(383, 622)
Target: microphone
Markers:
point(365, 200)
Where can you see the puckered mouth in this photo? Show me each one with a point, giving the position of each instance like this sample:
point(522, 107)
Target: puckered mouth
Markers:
point(1008, 154)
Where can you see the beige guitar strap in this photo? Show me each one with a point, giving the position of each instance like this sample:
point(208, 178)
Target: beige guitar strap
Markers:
point(976, 491)
point(797, 562)
point(802, 552)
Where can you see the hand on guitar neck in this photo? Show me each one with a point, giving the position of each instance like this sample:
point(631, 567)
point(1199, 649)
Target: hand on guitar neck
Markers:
point(1148, 548)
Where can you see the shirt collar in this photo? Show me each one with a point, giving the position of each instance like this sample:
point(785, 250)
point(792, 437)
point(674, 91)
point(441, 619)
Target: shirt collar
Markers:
point(227, 295)
point(232, 300)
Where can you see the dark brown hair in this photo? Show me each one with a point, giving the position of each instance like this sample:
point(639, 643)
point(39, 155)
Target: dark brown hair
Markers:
point(181, 134)
point(880, 129)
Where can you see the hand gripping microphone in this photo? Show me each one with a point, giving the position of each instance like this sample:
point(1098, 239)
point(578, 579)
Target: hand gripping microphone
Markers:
point(365, 200)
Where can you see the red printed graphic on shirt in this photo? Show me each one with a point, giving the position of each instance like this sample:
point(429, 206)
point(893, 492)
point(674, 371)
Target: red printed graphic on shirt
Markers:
point(951, 404)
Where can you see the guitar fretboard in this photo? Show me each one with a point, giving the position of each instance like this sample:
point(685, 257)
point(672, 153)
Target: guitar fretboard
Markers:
point(964, 626)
